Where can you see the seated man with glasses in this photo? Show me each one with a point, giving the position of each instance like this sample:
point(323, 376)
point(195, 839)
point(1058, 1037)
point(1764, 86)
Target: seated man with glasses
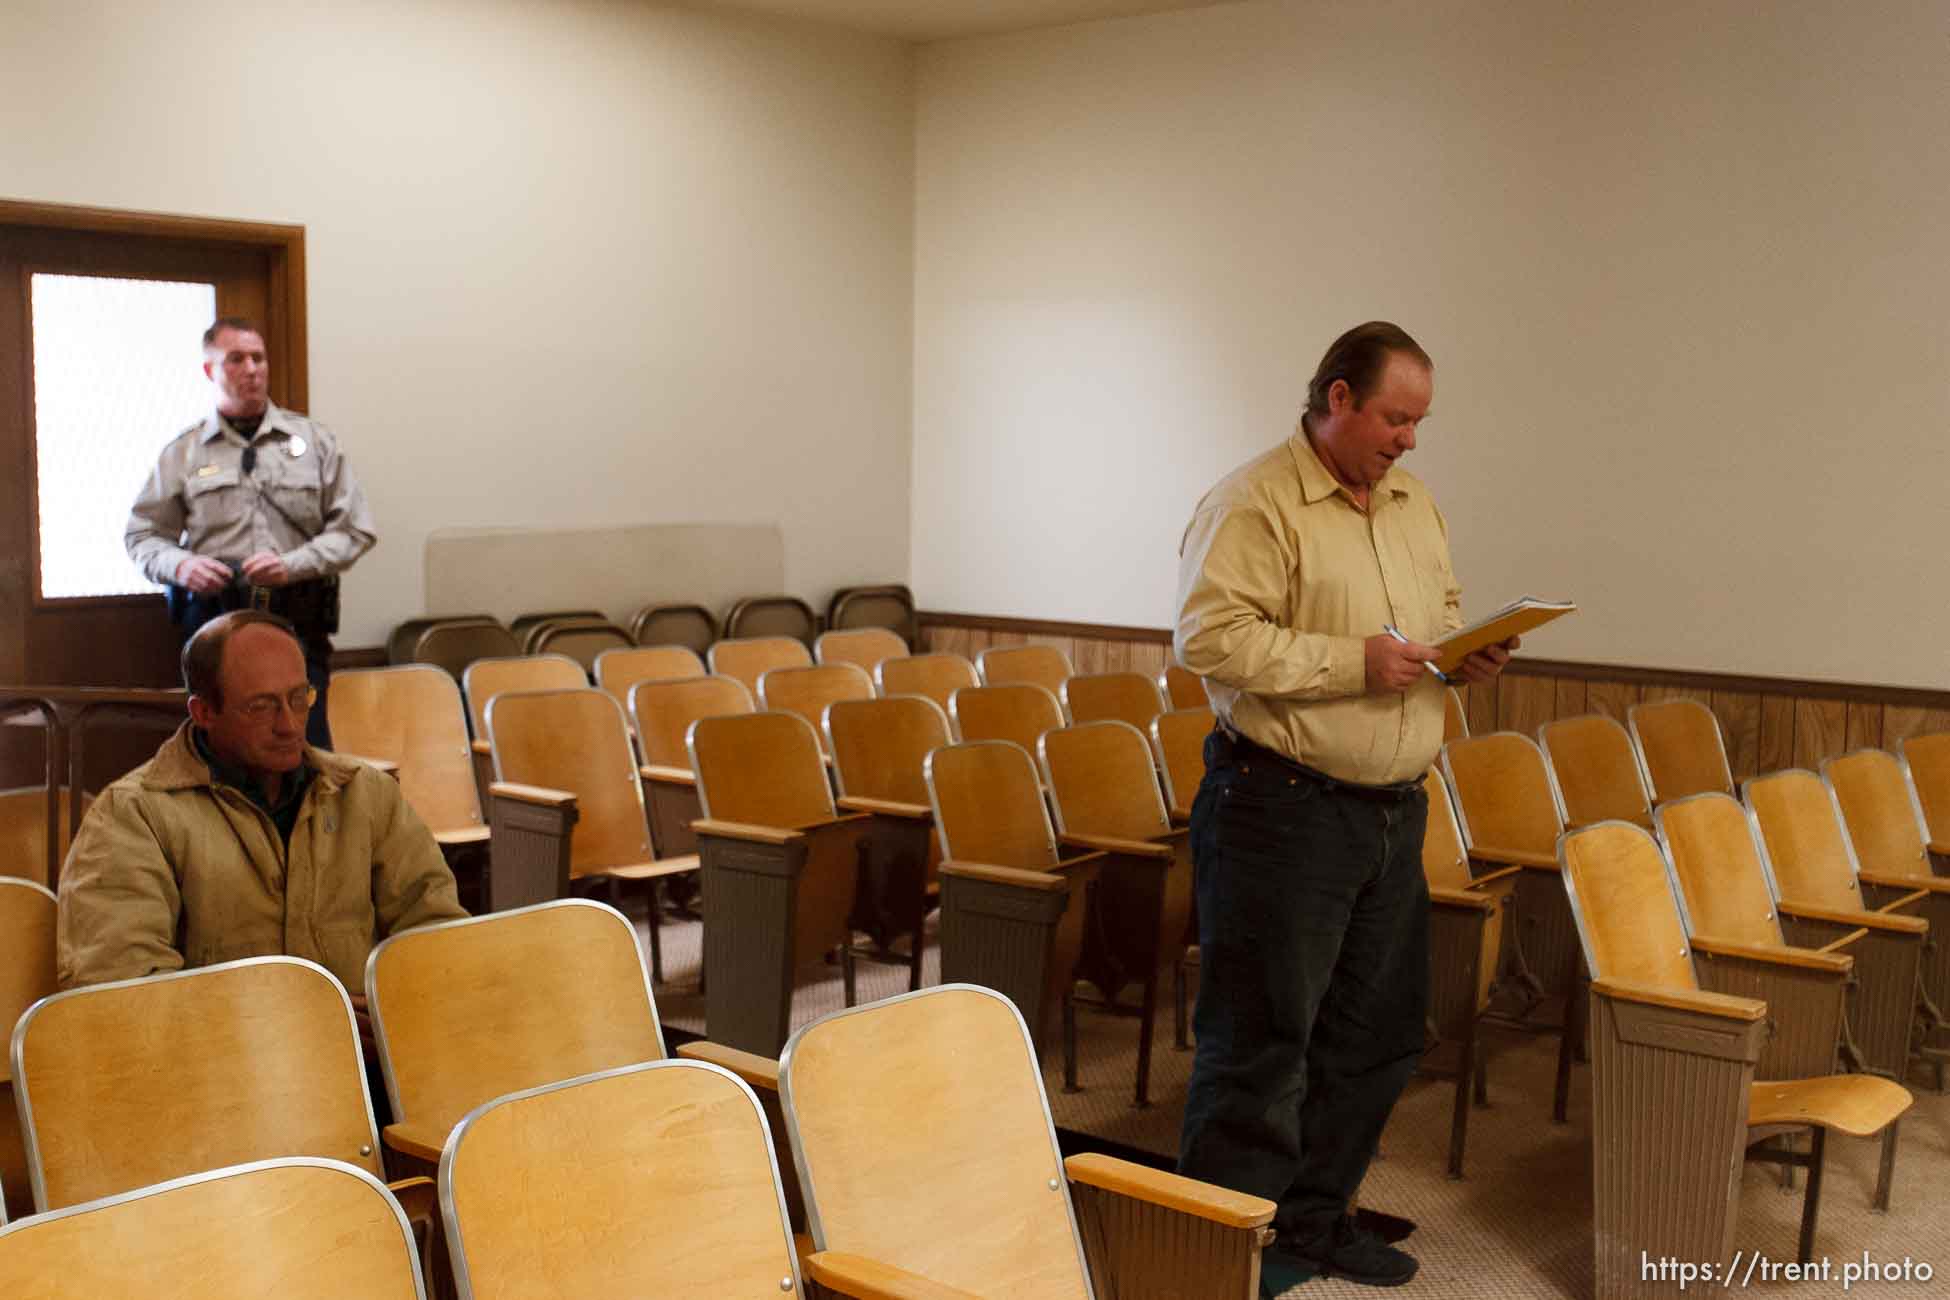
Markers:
point(239, 840)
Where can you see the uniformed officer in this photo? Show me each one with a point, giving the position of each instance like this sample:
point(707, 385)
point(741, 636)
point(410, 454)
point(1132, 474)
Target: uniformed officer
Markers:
point(252, 506)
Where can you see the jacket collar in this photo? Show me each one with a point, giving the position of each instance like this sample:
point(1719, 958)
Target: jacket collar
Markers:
point(177, 766)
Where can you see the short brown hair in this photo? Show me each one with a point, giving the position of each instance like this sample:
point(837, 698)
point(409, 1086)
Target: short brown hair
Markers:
point(203, 653)
point(1358, 357)
point(242, 324)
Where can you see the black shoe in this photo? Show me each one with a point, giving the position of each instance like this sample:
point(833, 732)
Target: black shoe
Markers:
point(1350, 1251)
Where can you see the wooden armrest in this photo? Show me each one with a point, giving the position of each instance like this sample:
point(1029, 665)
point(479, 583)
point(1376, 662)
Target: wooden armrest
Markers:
point(462, 835)
point(1006, 875)
point(913, 812)
point(667, 775)
point(1220, 1205)
point(1723, 1005)
point(1113, 844)
point(1855, 920)
point(1846, 941)
point(386, 765)
point(869, 1279)
point(1491, 877)
point(761, 1072)
point(745, 831)
point(416, 1140)
point(1513, 858)
point(1807, 958)
point(1442, 896)
point(536, 794)
point(1917, 885)
point(1939, 847)
point(481, 746)
point(419, 1199)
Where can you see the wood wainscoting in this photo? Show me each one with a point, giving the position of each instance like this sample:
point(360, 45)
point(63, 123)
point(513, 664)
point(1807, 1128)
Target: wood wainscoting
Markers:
point(1770, 722)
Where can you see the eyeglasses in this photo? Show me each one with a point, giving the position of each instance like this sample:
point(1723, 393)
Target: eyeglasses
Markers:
point(265, 707)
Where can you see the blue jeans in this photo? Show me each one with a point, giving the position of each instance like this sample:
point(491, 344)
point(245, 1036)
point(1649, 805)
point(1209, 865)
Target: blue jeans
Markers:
point(1314, 977)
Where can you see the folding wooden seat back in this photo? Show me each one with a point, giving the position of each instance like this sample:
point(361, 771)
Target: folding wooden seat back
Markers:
point(750, 658)
point(27, 917)
point(664, 711)
point(657, 1179)
point(1885, 822)
point(1455, 720)
point(575, 741)
point(1444, 862)
point(937, 676)
point(1040, 665)
point(1597, 771)
point(1725, 885)
point(1127, 697)
point(1505, 800)
point(1802, 833)
point(946, 1080)
point(412, 715)
point(807, 691)
point(580, 639)
point(692, 626)
point(295, 1228)
point(1179, 739)
point(1181, 689)
point(405, 636)
point(888, 605)
point(617, 670)
point(487, 678)
point(465, 1011)
point(864, 647)
point(762, 769)
point(1018, 712)
point(772, 616)
point(23, 831)
point(126, 1084)
point(988, 805)
point(1680, 745)
point(880, 746)
point(1102, 781)
point(526, 626)
point(453, 646)
point(1928, 760)
point(1628, 913)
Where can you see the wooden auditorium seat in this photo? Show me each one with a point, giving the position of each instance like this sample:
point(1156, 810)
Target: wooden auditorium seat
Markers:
point(617, 670)
point(487, 678)
point(1127, 697)
point(1018, 712)
point(781, 866)
point(23, 830)
point(937, 676)
point(931, 1169)
point(400, 642)
point(771, 616)
point(1928, 761)
point(568, 752)
point(1181, 689)
point(888, 605)
point(1178, 738)
point(864, 647)
point(27, 974)
point(880, 749)
point(656, 1179)
point(1042, 665)
point(663, 713)
point(295, 1228)
point(691, 626)
point(807, 691)
point(750, 658)
point(1681, 749)
point(1674, 1094)
point(525, 625)
point(581, 639)
point(1597, 771)
point(1104, 789)
point(1012, 910)
point(452, 646)
point(467, 1011)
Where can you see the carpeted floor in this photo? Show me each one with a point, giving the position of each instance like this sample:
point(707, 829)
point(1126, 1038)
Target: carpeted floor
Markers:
point(1519, 1223)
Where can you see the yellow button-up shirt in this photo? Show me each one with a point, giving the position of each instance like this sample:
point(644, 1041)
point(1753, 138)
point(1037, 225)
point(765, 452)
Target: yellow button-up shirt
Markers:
point(1282, 577)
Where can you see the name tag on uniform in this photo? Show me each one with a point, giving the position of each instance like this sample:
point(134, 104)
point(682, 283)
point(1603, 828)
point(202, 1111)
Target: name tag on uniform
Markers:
point(205, 471)
point(208, 478)
point(294, 446)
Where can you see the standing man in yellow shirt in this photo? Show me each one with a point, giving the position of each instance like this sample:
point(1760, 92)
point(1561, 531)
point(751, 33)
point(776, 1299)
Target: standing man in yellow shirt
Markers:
point(1307, 829)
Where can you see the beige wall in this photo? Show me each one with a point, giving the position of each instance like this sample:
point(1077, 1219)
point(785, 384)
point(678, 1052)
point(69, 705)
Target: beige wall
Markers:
point(1681, 266)
point(571, 263)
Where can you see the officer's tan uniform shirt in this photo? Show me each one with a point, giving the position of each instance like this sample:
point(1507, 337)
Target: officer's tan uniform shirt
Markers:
point(300, 501)
point(1282, 577)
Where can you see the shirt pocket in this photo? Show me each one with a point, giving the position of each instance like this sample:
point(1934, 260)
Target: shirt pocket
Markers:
point(300, 502)
point(213, 499)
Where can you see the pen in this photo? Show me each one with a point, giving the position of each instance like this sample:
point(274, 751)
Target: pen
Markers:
point(1396, 632)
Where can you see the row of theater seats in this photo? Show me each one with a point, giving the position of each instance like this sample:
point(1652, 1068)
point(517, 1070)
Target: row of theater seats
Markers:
point(1738, 950)
point(453, 641)
point(211, 1128)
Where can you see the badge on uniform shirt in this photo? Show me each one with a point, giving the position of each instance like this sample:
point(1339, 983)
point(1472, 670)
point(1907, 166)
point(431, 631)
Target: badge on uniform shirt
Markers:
point(294, 446)
point(205, 471)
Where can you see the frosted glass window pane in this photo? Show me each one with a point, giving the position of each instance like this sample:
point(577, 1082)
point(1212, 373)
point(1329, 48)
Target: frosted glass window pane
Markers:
point(117, 373)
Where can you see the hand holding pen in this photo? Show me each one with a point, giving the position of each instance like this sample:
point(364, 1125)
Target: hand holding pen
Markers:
point(1395, 663)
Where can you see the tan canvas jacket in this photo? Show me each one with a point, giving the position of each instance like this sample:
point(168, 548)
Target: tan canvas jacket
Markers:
point(171, 870)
